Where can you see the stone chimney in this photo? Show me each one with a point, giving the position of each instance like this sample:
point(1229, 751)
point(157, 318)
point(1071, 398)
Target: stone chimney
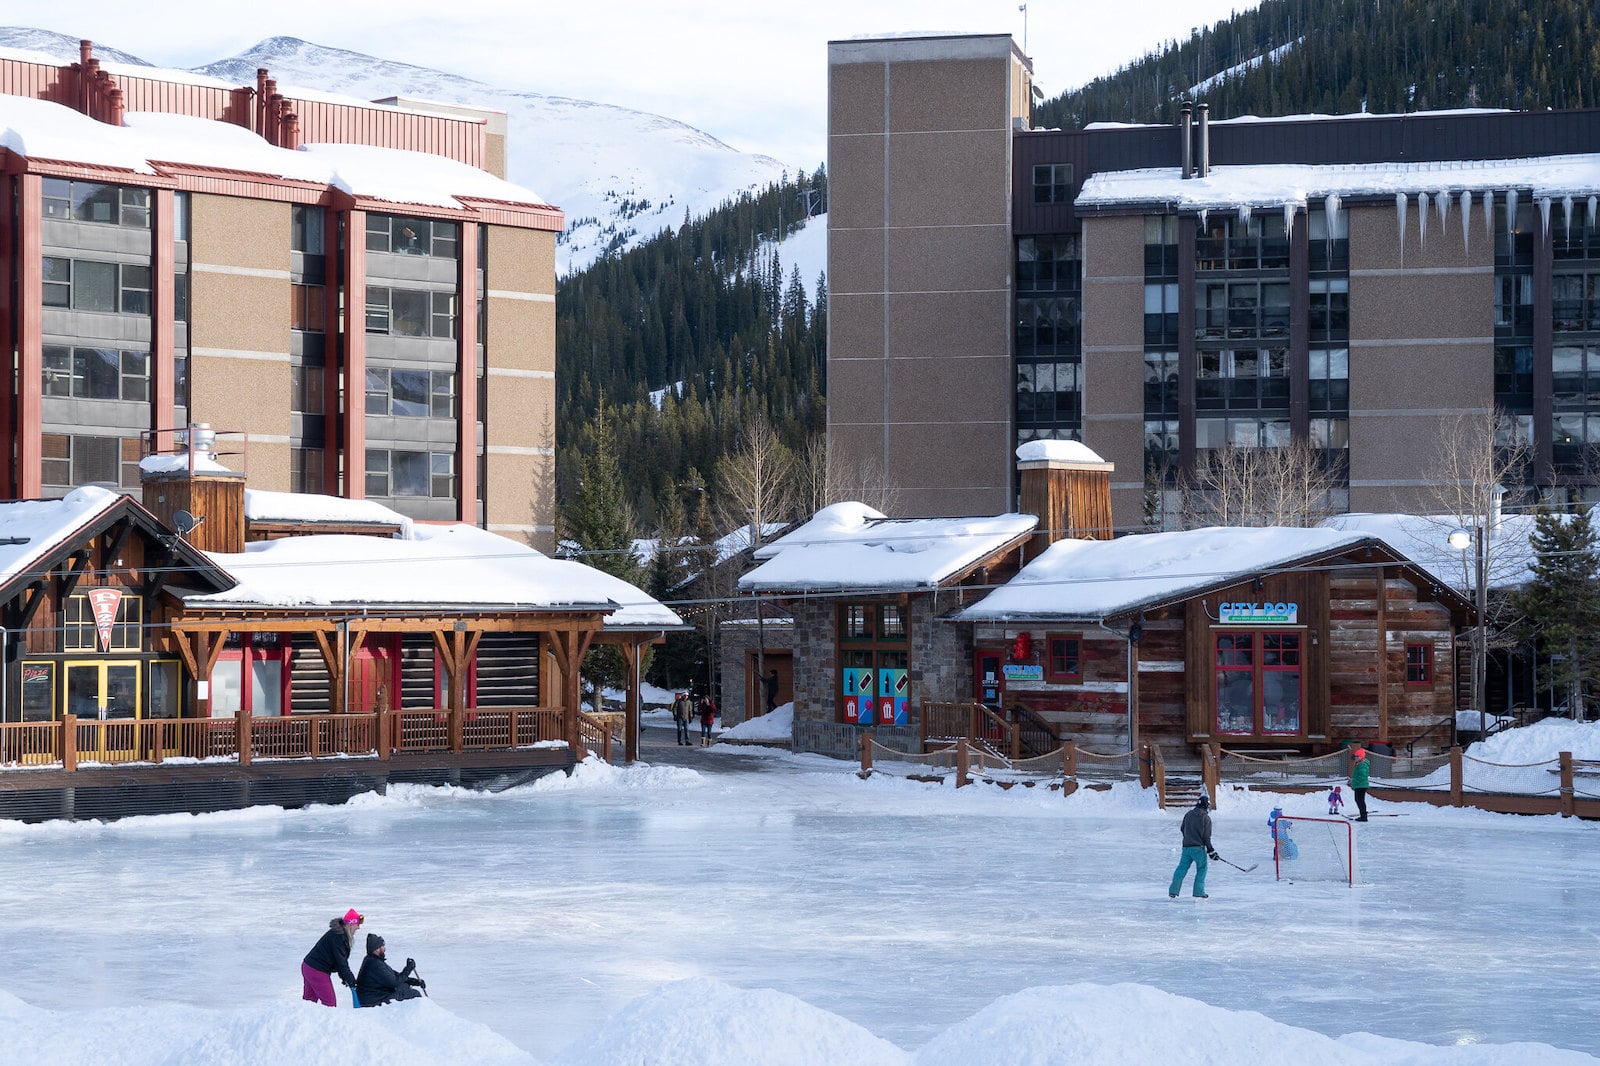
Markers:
point(1068, 487)
point(193, 481)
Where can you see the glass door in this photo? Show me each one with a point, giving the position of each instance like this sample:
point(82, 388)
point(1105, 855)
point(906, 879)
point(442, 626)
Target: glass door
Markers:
point(106, 694)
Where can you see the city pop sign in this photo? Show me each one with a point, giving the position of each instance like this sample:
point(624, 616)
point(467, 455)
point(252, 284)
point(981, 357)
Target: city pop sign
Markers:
point(1272, 614)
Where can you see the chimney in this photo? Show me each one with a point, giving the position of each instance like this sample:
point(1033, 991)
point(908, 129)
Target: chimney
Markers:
point(85, 57)
point(291, 130)
point(192, 480)
point(1068, 487)
point(1187, 122)
point(1205, 140)
point(115, 98)
point(261, 101)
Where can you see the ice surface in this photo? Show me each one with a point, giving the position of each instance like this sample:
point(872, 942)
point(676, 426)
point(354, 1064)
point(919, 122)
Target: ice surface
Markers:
point(909, 910)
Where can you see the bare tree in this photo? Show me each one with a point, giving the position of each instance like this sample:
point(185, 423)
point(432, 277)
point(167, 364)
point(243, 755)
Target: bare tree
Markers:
point(1479, 466)
point(755, 484)
point(824, 477)
point(1275, 486)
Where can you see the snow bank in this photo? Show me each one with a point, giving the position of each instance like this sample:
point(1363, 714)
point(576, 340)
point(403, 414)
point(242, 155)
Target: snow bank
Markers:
point(1521, 761)
point(172, 1034)
point(592, 773)
point(779, 725)
point(703, 1022)
point(1545, 739)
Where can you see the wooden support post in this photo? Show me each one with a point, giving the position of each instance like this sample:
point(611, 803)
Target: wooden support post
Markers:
point(69, 742)
point(1069, 768)
point(1455, 777)
point(383, 736)
point(866, 752)
point(1146, 778)
point(458, 690)
point(634, 653)
point(1566, 785)
point(315, 725)
point(1383, 656)
point(1016, 738)
point(241, 724)
point(963, 762)
point(1214, 764)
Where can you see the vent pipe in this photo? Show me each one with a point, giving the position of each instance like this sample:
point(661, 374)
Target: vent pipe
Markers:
point(291, 131)
point(115, 98)
point(261, 101)
point(1187, 122)
point(85, 55)
point(1205, 140)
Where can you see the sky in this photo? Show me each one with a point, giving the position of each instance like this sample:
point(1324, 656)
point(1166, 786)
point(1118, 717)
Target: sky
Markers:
point(750, 73)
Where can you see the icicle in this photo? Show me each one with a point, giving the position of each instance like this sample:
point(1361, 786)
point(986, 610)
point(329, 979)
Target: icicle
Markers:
point(1544, 214)
point(1288, 222)
point(1244, 215)
point(1488, 213)
point(1203, 213)
point(1566, 215)
point(1511, 211)
point(1592, 205)
point(1466, 219)
point(1400, 213)
point(1422, 220)
point(1330, 207)
point(1442, 200)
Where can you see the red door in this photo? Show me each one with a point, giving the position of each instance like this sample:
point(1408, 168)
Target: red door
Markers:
point(373, 680)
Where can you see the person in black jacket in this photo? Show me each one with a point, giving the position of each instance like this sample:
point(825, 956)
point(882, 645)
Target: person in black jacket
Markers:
point(1196, 849)
point(330, 955)
point(378, 983)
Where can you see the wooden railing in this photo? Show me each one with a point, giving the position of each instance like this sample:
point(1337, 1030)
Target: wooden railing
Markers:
point(1037, 735)
point(595, 735)
point(1153, 771)
point(944, 723)
point(71, 740)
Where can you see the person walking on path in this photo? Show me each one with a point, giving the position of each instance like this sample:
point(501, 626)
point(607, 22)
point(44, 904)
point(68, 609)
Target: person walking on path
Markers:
point(708, 714)
point(379, 983)
point(1196, 850)
point(1360, 774)
point(771, 685)
point(330, 955)
point(682, 711)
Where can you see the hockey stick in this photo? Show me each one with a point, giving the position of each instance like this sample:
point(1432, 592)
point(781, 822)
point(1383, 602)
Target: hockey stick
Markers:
point(1236, 866)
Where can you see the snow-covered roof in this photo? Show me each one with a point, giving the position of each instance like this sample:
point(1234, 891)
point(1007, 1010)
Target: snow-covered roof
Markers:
point(43, 130)
point(310, 508)
point(455, 565)
point(179, 464)
point(852, 546)
point(1277, 184)
point(40, 525)
point(1090, 580)
point(1424, 540)
point(1057, 451)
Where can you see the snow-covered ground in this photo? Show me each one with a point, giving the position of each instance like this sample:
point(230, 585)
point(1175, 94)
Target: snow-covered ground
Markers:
point(797, 914)
point(778, 725)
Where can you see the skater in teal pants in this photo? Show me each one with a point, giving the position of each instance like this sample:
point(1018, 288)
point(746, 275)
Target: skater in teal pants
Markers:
point(1196, 849)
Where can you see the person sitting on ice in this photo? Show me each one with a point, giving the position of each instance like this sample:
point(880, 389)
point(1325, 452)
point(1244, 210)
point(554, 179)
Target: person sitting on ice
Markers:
point(330, 955)
point(1335, 800)
point(378, 983)
point(1279, 826)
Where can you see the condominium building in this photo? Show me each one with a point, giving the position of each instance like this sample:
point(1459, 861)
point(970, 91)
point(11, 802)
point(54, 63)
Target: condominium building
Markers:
point(341, 284)
point(1161, 292)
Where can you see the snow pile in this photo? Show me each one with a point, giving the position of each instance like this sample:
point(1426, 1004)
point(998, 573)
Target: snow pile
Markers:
point(180, 464)
point(1479, 721)
point(1522, 761)
point(261, 505)
point(597, 775)
point(850, 545)
point(703, 1022)
point(778, 725)
point(272, 1033)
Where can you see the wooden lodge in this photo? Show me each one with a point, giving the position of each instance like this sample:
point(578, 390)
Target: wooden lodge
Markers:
point(226, 657)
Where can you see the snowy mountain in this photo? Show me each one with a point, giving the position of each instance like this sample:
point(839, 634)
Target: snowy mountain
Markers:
point(620, 175)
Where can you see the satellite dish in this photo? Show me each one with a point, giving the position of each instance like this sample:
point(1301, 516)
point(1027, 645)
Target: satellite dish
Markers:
point(185, 522)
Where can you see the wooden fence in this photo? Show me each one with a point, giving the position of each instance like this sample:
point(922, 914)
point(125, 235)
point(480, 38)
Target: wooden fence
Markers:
point(71, 741)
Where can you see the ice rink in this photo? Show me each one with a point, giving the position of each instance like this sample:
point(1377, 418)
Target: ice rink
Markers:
point(906, 908)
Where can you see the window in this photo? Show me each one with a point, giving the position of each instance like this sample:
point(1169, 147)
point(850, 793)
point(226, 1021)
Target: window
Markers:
point(1330, 309)
point(1160, 246)
point(38, 691)
point(406, 473)
point(1161, 313)
point(1330, 379)
point(307, 307)
point(1258, 682)
point(1212, 434)
point(1062, 659)
point(1419, 665)
point(80, 633)
point(1257, 242)
point(305, 469)
point(71, 461)
point(875, 685)
point(1052, 183)
point(86, 285)
point(1160, 382)
point(88, 201)
point(180, 297)
point(305, 234)
point(412, 236)
point(250, 676)
point(1049, 264)
point(410, 312)
point(96, 373)
point(411, 393)
point(180, 216)
point(1242, 378)
point(305, 389)
point(1048, 394)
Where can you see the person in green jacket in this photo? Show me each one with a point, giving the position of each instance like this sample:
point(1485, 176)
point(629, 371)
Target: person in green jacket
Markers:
point(1360, 774)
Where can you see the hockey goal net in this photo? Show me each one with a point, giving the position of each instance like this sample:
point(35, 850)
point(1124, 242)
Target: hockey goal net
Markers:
point(1314, 849)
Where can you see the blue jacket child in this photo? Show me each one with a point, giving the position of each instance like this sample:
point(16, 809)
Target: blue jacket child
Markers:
point(1279, 826)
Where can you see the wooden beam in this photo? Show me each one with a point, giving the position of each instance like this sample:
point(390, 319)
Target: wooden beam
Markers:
point(630, 708)
point(118, 537)
point(181, 642)
point(67, 582)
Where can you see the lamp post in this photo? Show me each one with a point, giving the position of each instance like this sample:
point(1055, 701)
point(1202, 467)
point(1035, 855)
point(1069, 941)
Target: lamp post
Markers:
point(1477, 538)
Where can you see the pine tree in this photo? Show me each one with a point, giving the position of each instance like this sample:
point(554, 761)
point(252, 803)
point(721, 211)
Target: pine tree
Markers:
point(1561, 605)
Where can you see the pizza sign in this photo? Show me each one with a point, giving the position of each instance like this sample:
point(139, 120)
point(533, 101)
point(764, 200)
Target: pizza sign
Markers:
point(104, 603)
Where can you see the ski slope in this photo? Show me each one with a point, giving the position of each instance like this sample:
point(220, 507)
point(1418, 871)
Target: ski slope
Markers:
point(670, 915)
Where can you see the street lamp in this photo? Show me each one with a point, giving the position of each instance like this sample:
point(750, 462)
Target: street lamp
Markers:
point(1477, 538)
